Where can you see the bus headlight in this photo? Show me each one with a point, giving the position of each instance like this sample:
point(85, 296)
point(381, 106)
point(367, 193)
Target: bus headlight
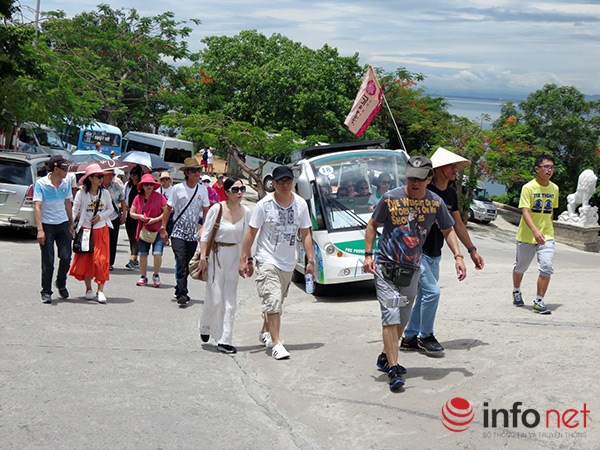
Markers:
point(330, 249)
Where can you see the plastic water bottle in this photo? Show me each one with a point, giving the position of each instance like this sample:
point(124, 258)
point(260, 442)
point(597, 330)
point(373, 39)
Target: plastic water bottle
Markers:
point(309, 284)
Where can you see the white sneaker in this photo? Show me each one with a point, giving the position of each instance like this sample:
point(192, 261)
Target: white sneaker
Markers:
point(279, 352)
point(100, 297)
point(89, 295)
point(265, 339)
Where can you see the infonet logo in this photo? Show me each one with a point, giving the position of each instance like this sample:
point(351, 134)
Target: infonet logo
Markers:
point(457, 414)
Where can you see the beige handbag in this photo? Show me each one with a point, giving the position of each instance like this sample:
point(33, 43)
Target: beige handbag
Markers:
point(194, 265)
point(148, 236)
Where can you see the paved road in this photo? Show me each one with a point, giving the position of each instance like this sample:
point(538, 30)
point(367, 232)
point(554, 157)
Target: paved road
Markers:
point(134, 374)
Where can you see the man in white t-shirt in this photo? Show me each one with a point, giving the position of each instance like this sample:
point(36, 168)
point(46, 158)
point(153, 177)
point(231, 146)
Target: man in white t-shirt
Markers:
point(278, 216)
point(188, 202)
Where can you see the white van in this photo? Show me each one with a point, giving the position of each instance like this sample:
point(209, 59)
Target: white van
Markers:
point(172, 150)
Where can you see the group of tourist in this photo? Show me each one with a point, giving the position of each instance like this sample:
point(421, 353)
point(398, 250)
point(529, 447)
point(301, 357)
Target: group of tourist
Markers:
point(405, 262)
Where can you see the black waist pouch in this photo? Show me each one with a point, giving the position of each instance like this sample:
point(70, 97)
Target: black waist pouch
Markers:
point(400, 276)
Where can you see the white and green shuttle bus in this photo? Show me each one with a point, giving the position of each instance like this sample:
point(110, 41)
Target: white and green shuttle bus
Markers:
point(324, 176)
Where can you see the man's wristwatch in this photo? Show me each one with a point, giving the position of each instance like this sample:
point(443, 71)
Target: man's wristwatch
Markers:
point(472, 249)
point(368, 253)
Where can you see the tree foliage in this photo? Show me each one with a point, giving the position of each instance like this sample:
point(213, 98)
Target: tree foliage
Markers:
point(273, 83)
point(120, 58)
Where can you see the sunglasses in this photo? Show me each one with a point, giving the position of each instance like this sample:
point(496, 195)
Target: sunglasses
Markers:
point(99, 176)
point(285, 180)
point(194, 170)
point(236, 189)
point(206, 181)
point(147, 184)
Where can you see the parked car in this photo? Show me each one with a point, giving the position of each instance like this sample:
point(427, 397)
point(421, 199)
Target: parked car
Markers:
point(40, 139)
point(482, 208)
point(18, 174)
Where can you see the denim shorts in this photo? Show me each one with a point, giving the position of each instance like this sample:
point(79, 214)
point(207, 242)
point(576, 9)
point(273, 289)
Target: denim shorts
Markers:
point(144, 247)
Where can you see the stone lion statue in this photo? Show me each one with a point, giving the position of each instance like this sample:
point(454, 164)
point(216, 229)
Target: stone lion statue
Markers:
point(588, 215)
point(586, 185)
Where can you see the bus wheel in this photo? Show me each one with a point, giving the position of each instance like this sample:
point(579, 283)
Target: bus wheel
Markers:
point(268, 184)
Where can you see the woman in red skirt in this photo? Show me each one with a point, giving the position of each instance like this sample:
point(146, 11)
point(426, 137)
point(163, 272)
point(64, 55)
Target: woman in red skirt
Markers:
point(94, 207)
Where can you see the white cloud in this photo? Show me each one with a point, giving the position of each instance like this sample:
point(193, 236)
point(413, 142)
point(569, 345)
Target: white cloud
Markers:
point(501, 46)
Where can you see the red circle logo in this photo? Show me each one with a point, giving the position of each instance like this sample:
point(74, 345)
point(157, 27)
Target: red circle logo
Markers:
point(457, 414)
point(371, 89)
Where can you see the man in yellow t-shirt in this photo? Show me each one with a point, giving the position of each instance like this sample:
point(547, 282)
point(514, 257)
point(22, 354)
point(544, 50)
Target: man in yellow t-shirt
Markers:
point(535, 235)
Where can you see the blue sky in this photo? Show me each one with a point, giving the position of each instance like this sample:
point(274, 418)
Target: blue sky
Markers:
point(502, 48)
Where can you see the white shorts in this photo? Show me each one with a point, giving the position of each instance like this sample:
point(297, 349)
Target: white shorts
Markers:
point(526, 252)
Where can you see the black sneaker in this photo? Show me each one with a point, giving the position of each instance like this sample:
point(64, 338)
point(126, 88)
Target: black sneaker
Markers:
point(46, 298)
point(224, 348)
point(383, 365)
point(63, 292)
point(205, 337)
point(130, 265)
point(518, 298)
point(395, 376)
point(430, 344)
point(182, 299)
point(409, 344)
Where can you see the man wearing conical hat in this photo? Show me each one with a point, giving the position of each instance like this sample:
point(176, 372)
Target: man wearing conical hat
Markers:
point(418, 334)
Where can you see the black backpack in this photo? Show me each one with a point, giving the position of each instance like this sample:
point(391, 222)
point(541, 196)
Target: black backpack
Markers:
point(205, 155)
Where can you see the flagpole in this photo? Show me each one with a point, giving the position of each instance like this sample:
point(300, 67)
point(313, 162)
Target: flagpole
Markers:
point(394, 120)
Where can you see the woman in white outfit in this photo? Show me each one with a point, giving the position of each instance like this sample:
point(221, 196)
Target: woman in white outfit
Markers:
point(220, 301)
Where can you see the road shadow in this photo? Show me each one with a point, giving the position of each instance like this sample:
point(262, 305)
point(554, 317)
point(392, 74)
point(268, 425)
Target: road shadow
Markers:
point(463, 344)
point(347, 292)
point(83, 301)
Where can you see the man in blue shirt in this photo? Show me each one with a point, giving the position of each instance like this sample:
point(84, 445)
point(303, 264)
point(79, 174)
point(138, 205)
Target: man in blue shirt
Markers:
point(52, 200)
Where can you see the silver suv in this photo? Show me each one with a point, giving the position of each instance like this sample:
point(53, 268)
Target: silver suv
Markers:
point(18, 174)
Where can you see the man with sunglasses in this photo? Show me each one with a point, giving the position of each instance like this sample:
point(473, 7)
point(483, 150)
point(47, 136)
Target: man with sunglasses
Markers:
point(535, 235)
point(53, 206)
point(407, 214)
point(279, 216)
point(189, 203)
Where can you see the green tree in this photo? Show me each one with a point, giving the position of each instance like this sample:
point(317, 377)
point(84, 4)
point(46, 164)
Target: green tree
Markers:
point(563, 121)
point(119, 58)
point(235, 138)
point(272, 83)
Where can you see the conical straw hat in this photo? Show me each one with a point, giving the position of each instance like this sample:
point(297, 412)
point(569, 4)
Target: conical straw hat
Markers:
point(443, 157)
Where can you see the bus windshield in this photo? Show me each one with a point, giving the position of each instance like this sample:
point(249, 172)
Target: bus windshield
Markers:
point(350, 184)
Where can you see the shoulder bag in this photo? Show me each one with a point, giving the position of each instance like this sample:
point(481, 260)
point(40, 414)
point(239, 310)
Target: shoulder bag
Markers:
point(84, 238)
point(145, 234)
point(195, 262)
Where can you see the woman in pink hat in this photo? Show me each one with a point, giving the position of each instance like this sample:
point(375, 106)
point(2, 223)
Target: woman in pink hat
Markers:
point(93, 206)
point(148, 209)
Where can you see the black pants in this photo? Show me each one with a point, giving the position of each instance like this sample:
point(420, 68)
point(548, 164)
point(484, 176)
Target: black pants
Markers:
point(184, 252)
point(131, 228)
point(60, 235)
point(114, 238)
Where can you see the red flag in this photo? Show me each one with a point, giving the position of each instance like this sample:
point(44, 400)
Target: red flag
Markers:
point(366, 105)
